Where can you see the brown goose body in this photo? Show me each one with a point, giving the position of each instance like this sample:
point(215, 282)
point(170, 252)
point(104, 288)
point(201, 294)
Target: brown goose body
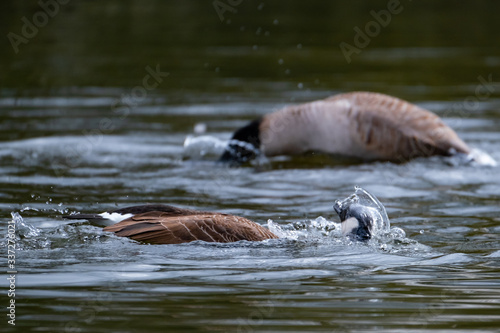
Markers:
point(163, 224)
point(365, 125)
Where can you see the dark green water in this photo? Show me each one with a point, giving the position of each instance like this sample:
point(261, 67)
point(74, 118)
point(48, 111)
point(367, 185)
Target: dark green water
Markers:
point(84, 128)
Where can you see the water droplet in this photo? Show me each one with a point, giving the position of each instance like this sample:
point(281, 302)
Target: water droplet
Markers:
point(276, 22)
point(267, 33)
point(287, 71)
point(261, 6)
point(280, 61)
point(259, 31)
point(200, 128)
point(300, 85)
point(421, 232)
point(217, 69)
point(299, 46)
point(255, 47)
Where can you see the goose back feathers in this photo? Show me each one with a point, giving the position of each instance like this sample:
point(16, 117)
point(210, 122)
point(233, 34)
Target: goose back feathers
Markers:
point(163, 224)
point(365, 125)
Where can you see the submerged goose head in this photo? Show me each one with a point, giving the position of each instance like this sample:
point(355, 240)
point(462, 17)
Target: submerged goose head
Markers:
point(362, 215)
point(244, 145)
point(356, 222)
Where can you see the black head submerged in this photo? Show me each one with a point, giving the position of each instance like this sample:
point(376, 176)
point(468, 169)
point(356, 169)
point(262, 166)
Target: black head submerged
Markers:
point(244, 145)
point(362, 215)
point(357, 221)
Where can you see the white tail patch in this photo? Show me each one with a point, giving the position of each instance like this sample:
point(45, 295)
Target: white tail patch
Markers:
point(110, 219)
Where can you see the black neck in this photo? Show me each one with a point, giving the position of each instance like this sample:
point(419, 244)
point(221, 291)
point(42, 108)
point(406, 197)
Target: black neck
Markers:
point(244, 145)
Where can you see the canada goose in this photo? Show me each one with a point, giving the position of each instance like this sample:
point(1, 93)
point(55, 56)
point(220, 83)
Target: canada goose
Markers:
point(163, 224)
point(361, 215)
point(364, 125)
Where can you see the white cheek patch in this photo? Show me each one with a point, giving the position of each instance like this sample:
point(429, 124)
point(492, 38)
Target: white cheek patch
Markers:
point(349, 225)
point(115, 217)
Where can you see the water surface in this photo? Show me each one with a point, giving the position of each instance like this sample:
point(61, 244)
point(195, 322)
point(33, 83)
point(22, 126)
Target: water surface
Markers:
point(77, 136)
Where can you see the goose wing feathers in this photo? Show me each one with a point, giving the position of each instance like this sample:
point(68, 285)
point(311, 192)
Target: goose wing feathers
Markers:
point(396, 129)
point(166, 228)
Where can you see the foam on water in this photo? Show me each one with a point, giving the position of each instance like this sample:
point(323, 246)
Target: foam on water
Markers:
point(323, 231)
point(482, 158)
point(203, 146)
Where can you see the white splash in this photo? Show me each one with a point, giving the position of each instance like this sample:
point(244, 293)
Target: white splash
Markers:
point(482, 158)
point(377, 211)
point(27, 235)
point(205, 145)
point(317, 229)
